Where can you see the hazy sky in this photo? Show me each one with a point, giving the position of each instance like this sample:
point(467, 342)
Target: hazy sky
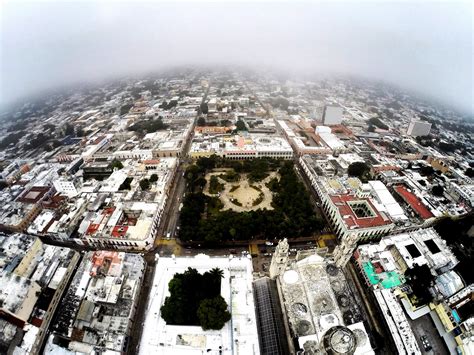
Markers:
point(426, 46)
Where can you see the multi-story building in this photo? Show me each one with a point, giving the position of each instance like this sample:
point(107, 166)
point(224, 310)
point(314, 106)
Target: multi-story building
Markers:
point(418, 128)
point(120, 225)
point(239, 335)
point(113, 213)
point(239, 147)
point(67, 187)
point(384, 267)
point(332, 115)
point(355, 219)
point(350, 209)
point(319, 141)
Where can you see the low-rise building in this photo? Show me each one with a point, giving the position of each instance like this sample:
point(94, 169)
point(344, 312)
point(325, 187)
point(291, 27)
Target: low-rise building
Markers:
point(100, 304)
point(239, 147)
point(239, 335)
point(33, 277)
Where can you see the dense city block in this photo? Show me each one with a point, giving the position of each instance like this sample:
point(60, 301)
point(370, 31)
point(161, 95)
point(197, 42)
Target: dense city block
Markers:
point(227, 212)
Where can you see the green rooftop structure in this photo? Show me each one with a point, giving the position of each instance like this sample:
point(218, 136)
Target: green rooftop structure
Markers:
point(387, 279)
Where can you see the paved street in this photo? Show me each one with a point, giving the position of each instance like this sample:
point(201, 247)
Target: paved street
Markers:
point(162, 247)
point(378, 331)
point(425, 326)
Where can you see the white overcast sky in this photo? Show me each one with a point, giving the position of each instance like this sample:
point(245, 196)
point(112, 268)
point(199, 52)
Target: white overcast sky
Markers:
point(423, 46)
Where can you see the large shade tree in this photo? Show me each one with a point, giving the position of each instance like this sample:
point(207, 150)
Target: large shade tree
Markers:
point(358, 169)
point(292, 214)
point(213, 313)
point(195, 300)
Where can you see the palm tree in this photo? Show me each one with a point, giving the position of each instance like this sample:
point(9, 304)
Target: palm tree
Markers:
point(217, 273)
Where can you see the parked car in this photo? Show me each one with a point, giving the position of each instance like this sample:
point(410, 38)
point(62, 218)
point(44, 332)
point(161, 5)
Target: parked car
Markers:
point(426, 344)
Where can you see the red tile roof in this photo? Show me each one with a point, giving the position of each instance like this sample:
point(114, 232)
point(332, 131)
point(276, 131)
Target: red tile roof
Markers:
point(350, 218)
point(119, 231)
point(414, 202)
point(34, 194)
point(98, 140)
point(151, 161)
point(99, 257)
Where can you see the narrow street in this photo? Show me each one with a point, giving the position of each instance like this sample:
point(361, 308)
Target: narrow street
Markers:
point(165, 245)
point(352, 278)
point(168, 224)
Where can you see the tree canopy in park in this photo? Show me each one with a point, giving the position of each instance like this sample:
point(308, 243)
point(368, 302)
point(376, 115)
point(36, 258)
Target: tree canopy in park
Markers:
point(202, 220)
point(195, 300)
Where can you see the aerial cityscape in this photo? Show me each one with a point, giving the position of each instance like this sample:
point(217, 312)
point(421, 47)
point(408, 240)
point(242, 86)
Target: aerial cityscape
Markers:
point(231, 210)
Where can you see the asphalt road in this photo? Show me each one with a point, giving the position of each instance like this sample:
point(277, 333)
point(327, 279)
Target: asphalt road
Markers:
point(169, 221)
point(425, 326)
point(169, 224)
point(171, 213)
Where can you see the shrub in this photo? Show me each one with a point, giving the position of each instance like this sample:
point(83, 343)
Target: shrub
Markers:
point(214, 185)
point(259, 199)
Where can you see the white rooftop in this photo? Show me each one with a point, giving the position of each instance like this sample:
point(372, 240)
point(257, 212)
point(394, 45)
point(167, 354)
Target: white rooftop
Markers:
point(239, 335)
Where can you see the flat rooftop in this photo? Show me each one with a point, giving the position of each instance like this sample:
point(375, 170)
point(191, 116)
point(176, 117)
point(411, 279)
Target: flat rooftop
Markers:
point(388, 279)
point(414, 202)
point(238, 336)
point(359, 212)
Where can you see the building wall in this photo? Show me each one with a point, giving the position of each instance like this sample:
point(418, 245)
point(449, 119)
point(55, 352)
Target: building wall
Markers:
point(439, 165)
point(418, 128)
point(349, 238)
point(25, 222)
point(43, 330)
point(23, 268)
point(66, 187)
point(332, 115)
